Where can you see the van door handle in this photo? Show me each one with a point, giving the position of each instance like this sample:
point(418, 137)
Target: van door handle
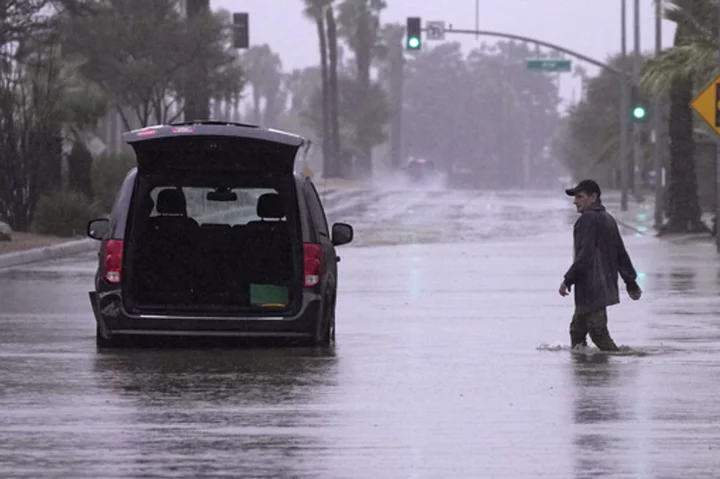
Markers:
point(337, 259)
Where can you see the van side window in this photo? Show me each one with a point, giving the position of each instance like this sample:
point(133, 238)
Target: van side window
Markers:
point(316, 210)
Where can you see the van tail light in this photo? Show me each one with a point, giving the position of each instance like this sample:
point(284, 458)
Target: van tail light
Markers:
point(313, 263)
point(112, 263)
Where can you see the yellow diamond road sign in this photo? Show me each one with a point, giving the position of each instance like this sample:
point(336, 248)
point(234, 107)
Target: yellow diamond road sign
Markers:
point(707, 104)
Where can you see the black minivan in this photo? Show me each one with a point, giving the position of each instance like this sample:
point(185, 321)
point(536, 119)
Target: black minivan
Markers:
point(215, 234)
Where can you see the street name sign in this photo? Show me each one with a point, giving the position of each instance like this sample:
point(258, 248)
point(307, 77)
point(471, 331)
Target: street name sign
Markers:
point(547, 65)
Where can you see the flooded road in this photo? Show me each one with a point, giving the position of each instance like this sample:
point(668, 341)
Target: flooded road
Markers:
point(451, 361)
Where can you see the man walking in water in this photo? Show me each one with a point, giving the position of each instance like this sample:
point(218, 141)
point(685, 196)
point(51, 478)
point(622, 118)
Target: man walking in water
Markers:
point(599, 255)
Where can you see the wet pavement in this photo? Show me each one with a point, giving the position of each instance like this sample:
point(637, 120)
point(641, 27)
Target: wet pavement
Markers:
point(451, 360)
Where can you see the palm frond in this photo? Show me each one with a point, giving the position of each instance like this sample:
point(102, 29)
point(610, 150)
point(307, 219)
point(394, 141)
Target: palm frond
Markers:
point(695, 17)
point(696, 60)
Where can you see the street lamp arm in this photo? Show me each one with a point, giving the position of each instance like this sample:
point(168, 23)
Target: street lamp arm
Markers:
point(521, 38)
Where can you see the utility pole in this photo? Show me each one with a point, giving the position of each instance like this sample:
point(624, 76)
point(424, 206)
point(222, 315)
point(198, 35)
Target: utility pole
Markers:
point(197, 96)
point(623, 110)
point(636, 151)
point(657, 120)
point(477, 18)
point(397, 75)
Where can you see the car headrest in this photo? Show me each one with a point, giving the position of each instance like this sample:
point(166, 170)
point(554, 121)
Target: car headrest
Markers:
point(270, 205)
point(171, 202)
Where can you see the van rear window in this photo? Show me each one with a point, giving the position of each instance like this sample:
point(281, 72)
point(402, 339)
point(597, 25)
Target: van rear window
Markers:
point(214, 200)
point(232, 206)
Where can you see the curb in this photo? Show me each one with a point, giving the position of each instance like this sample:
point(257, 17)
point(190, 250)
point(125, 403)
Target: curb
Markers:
point(615, 211)
point(638, 230)
point(46, 253)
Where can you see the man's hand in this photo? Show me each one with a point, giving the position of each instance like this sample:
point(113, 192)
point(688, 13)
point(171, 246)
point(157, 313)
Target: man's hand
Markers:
point(635, 294)
point(564, 290)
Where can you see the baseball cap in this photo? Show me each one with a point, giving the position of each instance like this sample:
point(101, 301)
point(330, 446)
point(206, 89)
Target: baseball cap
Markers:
point(585, 186)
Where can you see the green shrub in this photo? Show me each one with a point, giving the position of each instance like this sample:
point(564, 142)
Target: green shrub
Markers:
point(64, 213)
point(108, 173)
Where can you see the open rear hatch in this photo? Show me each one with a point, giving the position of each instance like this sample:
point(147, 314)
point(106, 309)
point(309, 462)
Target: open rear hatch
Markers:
point(214, 223)
point(219, 147)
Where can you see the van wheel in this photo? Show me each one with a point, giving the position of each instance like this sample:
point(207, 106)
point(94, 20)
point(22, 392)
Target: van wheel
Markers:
point(332, 328)
point(332, 319)
point(102, 342)
point(327, 335)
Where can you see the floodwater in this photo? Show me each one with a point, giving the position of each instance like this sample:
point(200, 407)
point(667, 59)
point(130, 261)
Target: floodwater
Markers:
point(451, 361)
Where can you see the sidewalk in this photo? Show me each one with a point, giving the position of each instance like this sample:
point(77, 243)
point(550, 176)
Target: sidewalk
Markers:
point(640, 217)
point(70, 247)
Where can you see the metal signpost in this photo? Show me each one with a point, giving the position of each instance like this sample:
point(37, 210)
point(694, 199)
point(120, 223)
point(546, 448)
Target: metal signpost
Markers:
point(707, 106)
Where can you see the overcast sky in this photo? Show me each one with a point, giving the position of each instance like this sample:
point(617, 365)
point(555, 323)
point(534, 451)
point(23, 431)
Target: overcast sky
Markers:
point(591, 27)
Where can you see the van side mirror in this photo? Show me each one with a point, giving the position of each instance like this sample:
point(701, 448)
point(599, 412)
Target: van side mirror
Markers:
point(342, 233)
point(98, 228)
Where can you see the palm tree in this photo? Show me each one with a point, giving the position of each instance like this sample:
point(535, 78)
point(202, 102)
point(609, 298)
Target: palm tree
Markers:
point(676, 72)
point(392, 75)
point(82, 105)
point(263, 69)
point(197, 102)
point(315, 10)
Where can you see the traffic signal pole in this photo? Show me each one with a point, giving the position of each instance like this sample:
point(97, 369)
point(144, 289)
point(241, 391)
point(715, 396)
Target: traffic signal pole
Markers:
point(511, 36)
point(637, 154)
point(620, 73)
point(657, 122)
point(624, 170)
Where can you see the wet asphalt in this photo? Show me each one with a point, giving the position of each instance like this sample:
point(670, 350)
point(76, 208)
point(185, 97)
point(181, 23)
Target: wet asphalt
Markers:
point(451, 360)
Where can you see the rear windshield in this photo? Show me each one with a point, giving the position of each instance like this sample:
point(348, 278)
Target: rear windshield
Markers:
point(238, 211)
point(208, 202)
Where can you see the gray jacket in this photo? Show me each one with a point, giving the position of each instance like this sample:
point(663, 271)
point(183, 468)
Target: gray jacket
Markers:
point(600, 255)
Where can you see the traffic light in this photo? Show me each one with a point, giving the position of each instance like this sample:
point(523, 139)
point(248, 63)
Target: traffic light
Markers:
point(414, 40)
point(639, 112)
point(638, 108)
point(241, 30)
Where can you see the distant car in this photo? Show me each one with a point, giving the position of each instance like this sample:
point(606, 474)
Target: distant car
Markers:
point(421, 170)
point(215, 234)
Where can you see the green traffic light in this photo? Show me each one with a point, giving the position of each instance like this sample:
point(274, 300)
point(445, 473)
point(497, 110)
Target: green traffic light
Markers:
point(639, 112)
point(413, 42)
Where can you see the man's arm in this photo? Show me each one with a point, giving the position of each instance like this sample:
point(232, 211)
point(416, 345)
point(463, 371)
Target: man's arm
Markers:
point(587, 233)
point(625, 266)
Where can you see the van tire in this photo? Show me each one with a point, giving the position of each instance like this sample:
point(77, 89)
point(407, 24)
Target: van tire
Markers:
point(102, 342)
point(324, 337)
point(332, 328)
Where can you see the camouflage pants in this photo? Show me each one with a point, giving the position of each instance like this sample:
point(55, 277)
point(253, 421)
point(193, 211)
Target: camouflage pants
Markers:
point(594, 323)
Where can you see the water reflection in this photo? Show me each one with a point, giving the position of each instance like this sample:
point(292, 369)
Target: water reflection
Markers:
point(682, 281)
point(674, 281)
point(598, 407)
point(245, 412)
point(242, 375)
